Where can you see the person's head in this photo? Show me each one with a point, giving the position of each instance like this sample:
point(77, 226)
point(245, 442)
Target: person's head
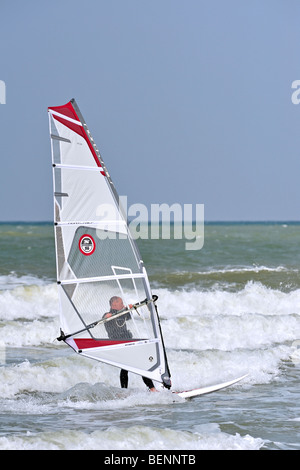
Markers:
point(116, 303)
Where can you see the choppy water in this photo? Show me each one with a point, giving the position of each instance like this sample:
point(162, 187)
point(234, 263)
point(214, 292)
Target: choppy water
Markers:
point(228, 309)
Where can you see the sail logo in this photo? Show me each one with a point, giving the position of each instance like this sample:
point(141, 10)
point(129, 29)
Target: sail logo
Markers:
point(2, 92)
point(87, 245)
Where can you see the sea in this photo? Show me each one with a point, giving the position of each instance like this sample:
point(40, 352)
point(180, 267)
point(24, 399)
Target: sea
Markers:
point(228, 309)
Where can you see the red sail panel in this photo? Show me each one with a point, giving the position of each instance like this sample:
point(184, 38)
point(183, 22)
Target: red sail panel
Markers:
point(67, 115)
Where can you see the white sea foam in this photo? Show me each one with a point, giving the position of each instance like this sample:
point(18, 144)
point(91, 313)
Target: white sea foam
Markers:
point(12, 280)
point(29, 301)
point(253, 298)
point(131, 438)
point(51, 398)
point(246, 269)
point(210, 337)
point(213, 335)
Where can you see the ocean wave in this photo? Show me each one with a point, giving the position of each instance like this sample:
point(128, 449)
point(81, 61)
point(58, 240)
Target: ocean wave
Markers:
point(210, 336)
point(240, 269)
point(203, 368)
point(253, 298)
point(53, 375)
point(31, 300)
point(229, 278)
point(13, 280)
point(253, 317)
point(59, 373)
point(229, 333)
point(141, 437)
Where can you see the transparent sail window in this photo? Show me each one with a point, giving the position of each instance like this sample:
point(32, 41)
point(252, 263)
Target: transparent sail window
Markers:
point(92, 300)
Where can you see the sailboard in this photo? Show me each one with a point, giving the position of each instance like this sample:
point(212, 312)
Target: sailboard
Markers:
point(209, 389)
point(97, 259)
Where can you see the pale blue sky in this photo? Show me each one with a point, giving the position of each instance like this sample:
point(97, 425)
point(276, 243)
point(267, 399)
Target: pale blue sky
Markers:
point(188, 101)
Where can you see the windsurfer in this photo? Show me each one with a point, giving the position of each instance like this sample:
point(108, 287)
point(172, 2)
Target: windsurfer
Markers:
point(117, 329)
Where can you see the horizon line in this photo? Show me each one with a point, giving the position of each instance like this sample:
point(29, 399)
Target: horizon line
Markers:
point(217, 221)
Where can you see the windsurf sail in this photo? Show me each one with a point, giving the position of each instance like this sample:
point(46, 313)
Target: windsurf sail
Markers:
point(97, 259)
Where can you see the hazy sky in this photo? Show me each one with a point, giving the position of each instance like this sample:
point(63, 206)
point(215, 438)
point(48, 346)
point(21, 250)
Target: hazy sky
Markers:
point(188, 101)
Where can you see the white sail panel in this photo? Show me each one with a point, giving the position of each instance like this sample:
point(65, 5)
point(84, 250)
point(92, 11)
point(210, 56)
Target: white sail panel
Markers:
point(97, 259)
point(140, 358)
point(70, 148)
point(83, 195)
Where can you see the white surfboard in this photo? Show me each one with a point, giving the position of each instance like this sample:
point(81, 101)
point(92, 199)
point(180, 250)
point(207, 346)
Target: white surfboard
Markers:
point(212, 388)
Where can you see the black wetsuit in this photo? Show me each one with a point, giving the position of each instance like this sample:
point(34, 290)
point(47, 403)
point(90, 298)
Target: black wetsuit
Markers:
point(117, 329)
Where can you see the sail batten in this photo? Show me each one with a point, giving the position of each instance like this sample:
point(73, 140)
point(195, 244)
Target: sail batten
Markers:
point(74, 167)
point(62, 139)
point(97, 223)
point(98, 262)
point(103, 278)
